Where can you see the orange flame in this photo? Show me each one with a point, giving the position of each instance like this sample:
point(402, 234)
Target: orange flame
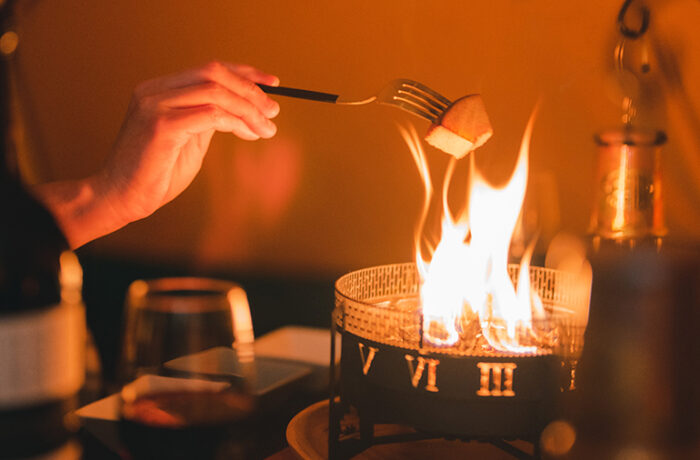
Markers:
point(465, 278)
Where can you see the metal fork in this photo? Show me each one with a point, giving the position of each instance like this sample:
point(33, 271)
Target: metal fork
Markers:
point(409, 95)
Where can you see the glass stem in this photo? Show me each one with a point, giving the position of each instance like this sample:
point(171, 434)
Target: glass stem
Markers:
point(572, 380)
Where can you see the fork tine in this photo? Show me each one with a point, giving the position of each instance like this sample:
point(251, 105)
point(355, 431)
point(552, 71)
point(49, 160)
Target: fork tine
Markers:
point(422, 101)
point(414, 109)
point(423, 98)
point(421, 87)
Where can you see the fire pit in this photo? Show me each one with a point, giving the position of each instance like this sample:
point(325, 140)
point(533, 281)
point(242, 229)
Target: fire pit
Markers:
point(389, 373)
point(461, 343)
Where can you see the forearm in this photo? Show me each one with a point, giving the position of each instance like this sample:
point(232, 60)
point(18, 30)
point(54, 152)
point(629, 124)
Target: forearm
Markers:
point(81, 208)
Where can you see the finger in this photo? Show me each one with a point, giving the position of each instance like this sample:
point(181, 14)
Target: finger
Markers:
point(244, 132)
point(215, 94)
point(214, 72)
point(253, 74)
point(242, 86)
point(195, 120)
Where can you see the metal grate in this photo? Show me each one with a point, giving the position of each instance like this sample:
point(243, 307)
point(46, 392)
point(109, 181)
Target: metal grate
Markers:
point(382, 304)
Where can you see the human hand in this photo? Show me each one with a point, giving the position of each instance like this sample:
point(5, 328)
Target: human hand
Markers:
point(160, 147)
point(168, 128)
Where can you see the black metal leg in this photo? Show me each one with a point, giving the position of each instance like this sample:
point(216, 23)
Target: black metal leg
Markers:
point(334, 409)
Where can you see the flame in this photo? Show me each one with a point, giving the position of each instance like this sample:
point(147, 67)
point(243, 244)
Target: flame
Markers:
point(465, 279)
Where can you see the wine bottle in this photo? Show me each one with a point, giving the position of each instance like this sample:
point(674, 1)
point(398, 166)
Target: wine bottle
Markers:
point(42, 319)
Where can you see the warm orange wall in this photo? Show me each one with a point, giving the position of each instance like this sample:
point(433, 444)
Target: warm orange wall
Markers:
point(337, 188)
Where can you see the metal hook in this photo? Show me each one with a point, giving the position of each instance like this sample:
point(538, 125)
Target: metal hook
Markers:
point(626, 31)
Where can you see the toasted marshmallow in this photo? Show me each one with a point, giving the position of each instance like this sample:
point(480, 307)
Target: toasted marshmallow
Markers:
point(463, 127)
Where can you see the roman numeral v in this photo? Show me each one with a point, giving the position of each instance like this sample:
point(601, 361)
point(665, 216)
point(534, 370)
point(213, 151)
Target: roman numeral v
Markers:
point(368, 358)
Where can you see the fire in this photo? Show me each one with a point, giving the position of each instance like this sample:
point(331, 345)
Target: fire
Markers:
point(465, 282)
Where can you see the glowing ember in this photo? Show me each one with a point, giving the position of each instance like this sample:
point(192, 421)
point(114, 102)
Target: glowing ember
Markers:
point(465, 279)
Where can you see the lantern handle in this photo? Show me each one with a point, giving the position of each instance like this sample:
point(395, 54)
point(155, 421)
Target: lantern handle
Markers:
point(628, 32)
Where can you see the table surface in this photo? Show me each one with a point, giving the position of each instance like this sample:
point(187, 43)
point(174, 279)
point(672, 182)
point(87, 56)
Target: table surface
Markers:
point(305, 436)
point(101, 438)
point(291, 369)
point(294, 422)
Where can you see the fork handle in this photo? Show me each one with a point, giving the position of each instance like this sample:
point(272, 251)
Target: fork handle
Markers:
point(300, 93)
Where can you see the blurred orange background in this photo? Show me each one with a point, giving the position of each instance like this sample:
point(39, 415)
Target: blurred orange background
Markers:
point(336, 189)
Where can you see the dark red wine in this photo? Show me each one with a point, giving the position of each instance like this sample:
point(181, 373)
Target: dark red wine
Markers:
point(42, 335)
point(157, 336)
point(189, 425)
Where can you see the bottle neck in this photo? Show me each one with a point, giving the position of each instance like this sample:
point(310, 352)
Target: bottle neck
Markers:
point(627, 209)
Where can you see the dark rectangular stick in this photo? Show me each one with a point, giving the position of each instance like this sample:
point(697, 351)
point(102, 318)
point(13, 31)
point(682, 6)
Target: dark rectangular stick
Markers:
point(299, 93)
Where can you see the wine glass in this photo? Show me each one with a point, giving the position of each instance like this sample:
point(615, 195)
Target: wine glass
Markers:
point(187, 369)
point(570, 347)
